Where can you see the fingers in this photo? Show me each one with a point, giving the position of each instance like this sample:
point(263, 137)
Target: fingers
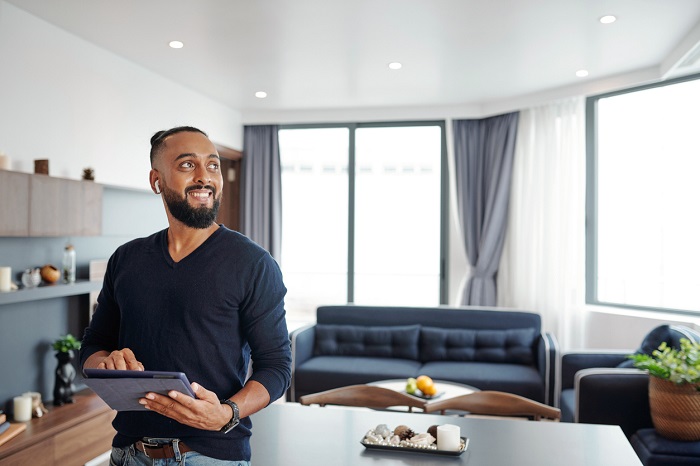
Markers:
point(123, 359)
point(204, 412)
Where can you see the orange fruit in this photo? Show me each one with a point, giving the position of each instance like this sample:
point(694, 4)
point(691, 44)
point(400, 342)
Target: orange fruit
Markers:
point(423, 382)
point(430, 390)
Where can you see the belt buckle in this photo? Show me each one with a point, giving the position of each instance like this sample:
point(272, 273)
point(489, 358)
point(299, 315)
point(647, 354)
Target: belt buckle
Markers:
point(147, 445)
point(174, 445)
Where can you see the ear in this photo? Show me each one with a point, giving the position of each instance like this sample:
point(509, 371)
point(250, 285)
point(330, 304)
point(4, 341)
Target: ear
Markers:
point(153, 178)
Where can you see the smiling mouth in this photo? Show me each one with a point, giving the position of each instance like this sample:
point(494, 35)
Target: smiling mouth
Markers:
point(200, 195)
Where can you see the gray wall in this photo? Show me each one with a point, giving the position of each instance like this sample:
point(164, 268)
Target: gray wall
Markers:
point(27, 329)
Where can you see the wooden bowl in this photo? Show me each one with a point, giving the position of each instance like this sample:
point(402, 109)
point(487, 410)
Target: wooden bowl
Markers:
point(50, 274)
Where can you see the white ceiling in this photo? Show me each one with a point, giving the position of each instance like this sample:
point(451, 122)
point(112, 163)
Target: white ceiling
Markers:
point(320, 54)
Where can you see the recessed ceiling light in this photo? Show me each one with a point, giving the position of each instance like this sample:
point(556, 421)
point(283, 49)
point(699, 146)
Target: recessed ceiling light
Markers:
point(176, 44)
point(607, 19)
point(395, 65)
point(261, 94)
point(582, 73)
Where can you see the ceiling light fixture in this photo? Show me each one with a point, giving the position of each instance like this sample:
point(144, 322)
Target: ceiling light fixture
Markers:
point(176, 44)
point(395, 65)
point(607, 19)
point(261, 94)
point(582, 73)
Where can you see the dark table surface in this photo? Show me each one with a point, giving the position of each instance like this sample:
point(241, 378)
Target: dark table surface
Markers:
point(290, 434)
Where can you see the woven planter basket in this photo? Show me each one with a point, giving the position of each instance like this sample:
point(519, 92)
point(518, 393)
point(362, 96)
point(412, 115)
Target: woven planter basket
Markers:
point(675, 409)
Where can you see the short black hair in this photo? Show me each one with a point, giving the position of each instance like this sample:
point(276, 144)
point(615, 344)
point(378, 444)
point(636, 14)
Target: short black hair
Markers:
point(158, 139)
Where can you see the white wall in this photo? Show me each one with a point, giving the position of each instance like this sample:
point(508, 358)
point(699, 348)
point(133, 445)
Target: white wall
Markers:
point(66, 100)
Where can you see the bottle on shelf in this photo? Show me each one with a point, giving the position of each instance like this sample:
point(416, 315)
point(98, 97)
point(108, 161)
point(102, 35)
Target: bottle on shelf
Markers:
point(69, 264)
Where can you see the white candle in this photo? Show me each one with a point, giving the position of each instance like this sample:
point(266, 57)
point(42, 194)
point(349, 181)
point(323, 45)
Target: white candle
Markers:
point(5, 162)
point(5, 278)
point(448, 437)
point(23, 408)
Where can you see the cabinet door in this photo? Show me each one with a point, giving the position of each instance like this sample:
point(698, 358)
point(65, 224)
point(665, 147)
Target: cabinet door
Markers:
point(91, 209)
point(60, 207)
point(40, 454)
point(85, 441)
point(14, 203)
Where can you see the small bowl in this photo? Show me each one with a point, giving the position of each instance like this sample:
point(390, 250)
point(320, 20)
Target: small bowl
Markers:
point(50, 274)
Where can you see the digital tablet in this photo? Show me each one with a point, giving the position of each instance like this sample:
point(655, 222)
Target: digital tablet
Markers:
point(121, 390)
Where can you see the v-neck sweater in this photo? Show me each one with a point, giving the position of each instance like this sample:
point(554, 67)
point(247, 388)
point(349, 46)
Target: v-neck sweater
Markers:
point(206, 315)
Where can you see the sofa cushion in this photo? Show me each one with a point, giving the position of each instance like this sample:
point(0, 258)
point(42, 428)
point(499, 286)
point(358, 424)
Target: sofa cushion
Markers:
point(377, 342)
point(512, 378)
point(671, 334)
point(502, 346)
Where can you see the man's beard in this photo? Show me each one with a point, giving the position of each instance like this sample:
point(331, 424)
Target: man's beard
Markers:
point(193, 217)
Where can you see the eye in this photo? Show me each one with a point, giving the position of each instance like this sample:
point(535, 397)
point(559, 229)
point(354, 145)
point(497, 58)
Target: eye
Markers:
point(213, 166)
point(187, 164)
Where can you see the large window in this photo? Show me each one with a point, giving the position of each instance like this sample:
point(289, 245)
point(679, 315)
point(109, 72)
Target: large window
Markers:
point(362, 215)
point(643, 237)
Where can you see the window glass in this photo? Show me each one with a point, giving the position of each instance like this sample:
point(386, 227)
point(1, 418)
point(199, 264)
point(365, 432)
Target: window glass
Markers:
point(397, 215)
point(314, 257)
point(648, 198)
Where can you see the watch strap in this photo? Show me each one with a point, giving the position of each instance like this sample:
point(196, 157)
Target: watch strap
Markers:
point(235, 417)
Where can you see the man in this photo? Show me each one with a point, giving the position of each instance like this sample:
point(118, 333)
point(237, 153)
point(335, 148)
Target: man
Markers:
point(196, 298)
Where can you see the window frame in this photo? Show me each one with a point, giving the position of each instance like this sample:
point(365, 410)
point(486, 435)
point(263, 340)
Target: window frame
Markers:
point(444, 191)
point(591, 210)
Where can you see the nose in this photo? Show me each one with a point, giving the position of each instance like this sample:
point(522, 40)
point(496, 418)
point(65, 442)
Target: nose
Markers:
point(202, 175)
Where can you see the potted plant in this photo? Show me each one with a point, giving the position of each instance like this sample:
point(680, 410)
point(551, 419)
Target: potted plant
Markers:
point(64, 388)
point(674, 389)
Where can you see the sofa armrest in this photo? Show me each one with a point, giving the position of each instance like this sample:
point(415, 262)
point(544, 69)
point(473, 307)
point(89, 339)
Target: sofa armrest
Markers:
point(547, 363)
point(572, 362)
point(613, 396)
point(303, 340)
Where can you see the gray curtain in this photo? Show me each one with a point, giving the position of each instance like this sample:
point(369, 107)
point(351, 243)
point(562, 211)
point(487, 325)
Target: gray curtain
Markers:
point(483, 151)
point(261, 188)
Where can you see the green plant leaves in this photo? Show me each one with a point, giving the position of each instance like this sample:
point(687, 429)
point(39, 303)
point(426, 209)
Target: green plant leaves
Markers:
point(677, 365)
point(66, 343)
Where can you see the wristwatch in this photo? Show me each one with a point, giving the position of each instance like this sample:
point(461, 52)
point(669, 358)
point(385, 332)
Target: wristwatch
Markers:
point(235, 419)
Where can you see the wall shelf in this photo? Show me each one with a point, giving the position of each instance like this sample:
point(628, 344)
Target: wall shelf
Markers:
point(57, 290)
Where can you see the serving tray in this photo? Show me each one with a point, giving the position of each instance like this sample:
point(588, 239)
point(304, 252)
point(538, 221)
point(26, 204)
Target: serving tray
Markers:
point(430, 451)
point(419, 394)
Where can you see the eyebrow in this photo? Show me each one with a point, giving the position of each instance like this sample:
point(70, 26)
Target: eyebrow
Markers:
point(190, 154)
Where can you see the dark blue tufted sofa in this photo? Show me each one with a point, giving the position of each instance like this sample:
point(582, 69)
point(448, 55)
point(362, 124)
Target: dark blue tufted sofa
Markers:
point(488, 348)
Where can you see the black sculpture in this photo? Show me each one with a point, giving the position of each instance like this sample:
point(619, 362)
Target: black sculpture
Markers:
point(64, 388)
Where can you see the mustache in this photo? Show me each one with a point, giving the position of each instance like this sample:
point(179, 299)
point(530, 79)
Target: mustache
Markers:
point(201, 186)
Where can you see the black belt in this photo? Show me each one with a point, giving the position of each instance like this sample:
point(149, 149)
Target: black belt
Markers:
point(161, 451)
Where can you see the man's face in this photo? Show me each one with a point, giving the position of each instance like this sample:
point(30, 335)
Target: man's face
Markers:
point(189, 175)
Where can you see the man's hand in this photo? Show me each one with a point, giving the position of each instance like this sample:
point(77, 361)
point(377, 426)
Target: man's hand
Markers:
point(123, 359)
point(206, 412)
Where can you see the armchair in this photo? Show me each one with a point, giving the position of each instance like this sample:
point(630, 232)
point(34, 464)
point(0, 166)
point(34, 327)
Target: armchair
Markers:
point(605, 388)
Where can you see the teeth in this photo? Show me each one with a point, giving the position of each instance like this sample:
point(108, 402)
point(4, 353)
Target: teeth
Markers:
point(200, 195)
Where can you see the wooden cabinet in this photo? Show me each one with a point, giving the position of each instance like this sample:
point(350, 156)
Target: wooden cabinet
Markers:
point(40, 205)
point(68, 435)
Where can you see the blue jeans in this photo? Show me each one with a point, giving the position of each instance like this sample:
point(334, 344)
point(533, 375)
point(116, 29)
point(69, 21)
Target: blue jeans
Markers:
point(130, 456)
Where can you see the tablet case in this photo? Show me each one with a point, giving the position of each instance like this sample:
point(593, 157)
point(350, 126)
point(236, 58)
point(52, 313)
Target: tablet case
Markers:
point(121, 390)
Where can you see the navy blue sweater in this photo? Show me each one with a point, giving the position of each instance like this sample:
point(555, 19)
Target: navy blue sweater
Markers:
point(206, 316)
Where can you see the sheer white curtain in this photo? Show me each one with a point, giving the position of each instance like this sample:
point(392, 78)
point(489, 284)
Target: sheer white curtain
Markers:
point(543, 264)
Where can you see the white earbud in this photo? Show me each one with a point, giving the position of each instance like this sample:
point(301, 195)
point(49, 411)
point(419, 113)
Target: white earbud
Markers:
point(157, 187)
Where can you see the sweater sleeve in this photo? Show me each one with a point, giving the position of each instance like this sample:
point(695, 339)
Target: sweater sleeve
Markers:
point(103, 331)
point(265, 328)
